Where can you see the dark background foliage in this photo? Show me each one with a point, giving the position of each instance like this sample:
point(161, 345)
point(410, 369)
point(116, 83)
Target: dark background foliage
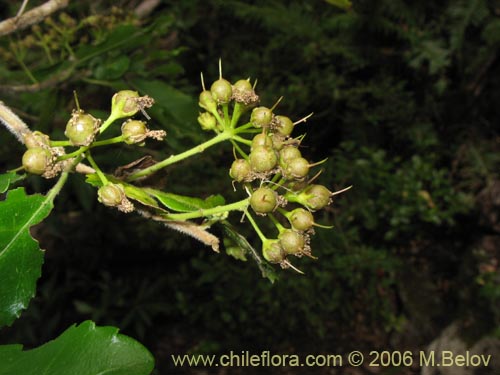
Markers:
point(404, 96)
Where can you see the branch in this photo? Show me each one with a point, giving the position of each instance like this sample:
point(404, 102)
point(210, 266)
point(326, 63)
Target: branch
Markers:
point(31, 17)
point(13, 123)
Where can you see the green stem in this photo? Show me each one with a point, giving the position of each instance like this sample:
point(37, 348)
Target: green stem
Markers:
point(236, 115)
point(275, 221)
point(94, 165)
point(62, 180)
point(78, 152)
point(225, 109)
point(243, 127)
point(108, 141)
point(240, 151)
point(224, 136)
point(256, 227)
point(112, 117)
point(236, 206)
point(60, 143)
point(242, 140)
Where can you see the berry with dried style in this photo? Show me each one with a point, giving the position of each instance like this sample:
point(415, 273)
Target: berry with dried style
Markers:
point(283, 125)
point(263, 159)
point(315, 197)
point(261, 117)
point(36, 139)
point(244, 93)
point(297, 168)
point(288, 153)
point(292, 242)
point(124, 103)
point(272, 251)
point(81, 128)
point(301, 219)
point(240, 170)
point(262, 139)
point(221, 91)
point(264, 200)
point(134, 131)
point(37, 160)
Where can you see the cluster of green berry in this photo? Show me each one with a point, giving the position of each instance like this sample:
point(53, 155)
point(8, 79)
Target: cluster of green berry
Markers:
point(48, 158)
point(273, 172)
point(276, 178)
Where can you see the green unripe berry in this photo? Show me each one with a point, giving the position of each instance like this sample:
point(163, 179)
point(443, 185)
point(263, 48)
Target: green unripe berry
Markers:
point(278, 141)
point(244, 94)
point(221, 91)
point(36, 160)
point(288, 153)
point(261, 117)
point(207, 121)
point(263, 200)
point(284, 125)
point(263, 159)
point(240, 170)
point(272, 251)
point(316, 197)
point(207, 102)
point(36, 139)
point(300, 219)
point(111, 195)
point(243, 86)
point(292, 242)
point(134, 131)
point(262, 139)
point(81, 128)
point(297, 168)
point(125, 103)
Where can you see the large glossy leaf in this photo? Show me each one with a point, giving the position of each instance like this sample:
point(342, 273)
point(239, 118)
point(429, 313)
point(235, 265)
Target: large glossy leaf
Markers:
point(20, 256)
point(80, 350)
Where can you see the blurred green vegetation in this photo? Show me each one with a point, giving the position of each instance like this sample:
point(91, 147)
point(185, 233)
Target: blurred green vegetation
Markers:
point(404, 96)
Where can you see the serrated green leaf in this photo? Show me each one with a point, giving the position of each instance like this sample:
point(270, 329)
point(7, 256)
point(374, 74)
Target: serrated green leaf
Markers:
point(8, 179)
point(80, 350)
point(265, 268)
point(20, 256)
point(181, 203)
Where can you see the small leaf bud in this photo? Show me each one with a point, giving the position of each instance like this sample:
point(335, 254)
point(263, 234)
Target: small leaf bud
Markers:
point(207, 102)
point(207, 121)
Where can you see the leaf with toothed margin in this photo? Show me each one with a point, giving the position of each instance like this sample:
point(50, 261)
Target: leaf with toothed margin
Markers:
point(80, 350)
point(21, 258)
